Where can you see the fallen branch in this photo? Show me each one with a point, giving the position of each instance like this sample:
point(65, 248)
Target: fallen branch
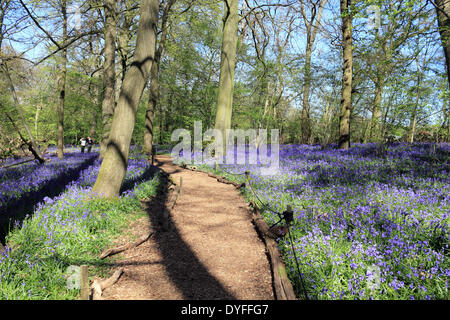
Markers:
point(122, 248)
point(282, 284)
point(237, 185)
point(99, 286)
point(16, 164)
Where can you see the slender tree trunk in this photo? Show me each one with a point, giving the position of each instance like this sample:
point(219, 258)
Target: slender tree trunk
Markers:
point(412, 128)
point(114, 165)
point(93, 128)
point(306, 125)
point(227, 66)
point(4, 4)
point(109, 77)
point(151, 107)
point(326, 117)
point(154, 83)
point(347, 75)
point(62, 84)
point(36, 121)
point(95, 92)
point(312, 27)
point(375, 128)
point(447, 117)
point(367, 131)
point(384, 124)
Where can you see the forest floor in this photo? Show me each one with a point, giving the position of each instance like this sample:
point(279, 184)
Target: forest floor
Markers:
point(212, 250)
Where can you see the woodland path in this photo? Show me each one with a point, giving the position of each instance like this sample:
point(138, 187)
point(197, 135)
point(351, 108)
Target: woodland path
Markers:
point(212, 251)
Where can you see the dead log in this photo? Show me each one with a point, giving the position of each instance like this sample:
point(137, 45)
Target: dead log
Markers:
point(282, 284)
point(237, 185)
point(16, 164)
point(128, 246)
point(98, 287)
point(212, 175)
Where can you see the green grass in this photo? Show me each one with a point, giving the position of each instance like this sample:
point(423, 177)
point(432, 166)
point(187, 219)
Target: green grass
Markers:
point(73, 230)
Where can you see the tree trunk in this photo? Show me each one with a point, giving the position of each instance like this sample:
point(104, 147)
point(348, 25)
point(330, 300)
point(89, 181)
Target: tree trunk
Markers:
point(376, 112)
point(36, 121)
point(154, 84)
point(412, 128)
point(447, 117)
point(306, 125)
point(109, 77)
point(347, 75)
point(443, 14)
point(151, 107)
point(114, 165)
point(413, 124)
point(227, 66)
point(312, 27)
point(62, 84)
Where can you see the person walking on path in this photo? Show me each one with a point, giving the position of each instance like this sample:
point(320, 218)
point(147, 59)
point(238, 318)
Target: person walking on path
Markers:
point(90, 142)
point(83, 144)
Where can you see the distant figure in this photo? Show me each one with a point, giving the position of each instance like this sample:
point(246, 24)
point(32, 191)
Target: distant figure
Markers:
point(90, 142)
point(83, 144)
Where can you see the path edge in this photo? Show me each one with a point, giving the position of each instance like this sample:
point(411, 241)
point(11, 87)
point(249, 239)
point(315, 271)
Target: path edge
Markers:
point(282, 285)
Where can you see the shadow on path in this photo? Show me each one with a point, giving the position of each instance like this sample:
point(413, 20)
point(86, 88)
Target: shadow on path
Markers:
point(183, 267)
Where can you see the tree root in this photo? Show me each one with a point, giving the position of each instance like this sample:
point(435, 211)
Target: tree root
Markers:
point(128, 246)
point(98, 287)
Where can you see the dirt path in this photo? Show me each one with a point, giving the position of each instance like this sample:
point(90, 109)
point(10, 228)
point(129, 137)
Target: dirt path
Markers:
point(211, 252)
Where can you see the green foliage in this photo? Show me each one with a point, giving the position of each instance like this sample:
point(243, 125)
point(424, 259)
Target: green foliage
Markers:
point(72, 231)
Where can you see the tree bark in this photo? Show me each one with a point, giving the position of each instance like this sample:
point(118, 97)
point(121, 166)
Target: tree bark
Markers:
point(36, 121)
point(447, 118)
point(306, 125)
point(347, 75)
point(312, 27)
point(413, 124)
point(62, 84)
point(109, 76)
point(227, 66)
point(443, 14)
point(114, 165)
point(154, 83)
point(376, 112)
